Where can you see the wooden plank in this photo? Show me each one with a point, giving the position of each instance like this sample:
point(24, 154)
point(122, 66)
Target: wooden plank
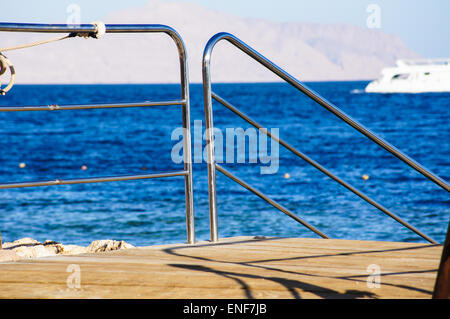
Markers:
point(240, 267)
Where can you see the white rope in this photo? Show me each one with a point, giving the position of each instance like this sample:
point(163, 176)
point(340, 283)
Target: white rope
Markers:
point(100, 30)
point(33, 44)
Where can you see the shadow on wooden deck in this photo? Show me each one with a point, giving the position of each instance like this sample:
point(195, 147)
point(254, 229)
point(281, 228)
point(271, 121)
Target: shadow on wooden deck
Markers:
point(291, 285)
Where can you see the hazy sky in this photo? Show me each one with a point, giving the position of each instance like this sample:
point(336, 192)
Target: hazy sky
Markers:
point(424, 25)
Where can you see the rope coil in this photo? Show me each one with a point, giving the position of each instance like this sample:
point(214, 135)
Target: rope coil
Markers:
point(5, 63)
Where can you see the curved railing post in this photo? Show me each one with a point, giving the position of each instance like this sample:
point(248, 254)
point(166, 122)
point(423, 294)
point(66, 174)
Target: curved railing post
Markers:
point(209, 127)
point(187, 152)
point(208, 95)
point(184, 102)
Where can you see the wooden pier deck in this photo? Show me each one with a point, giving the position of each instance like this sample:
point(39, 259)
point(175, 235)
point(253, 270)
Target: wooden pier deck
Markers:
point(239, 267)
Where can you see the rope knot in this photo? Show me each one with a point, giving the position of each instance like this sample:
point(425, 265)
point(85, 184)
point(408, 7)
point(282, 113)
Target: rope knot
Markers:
point(100, 30)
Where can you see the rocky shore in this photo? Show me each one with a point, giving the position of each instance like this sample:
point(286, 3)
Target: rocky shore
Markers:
point(27, 248)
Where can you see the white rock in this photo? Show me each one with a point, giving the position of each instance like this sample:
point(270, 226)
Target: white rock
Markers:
point(30, 248)
point(22, 242)
point(107, 245)
point(33, 251)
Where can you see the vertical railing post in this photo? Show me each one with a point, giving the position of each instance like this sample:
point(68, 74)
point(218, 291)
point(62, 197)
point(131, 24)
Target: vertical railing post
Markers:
point(187, 149)
point(209, 126)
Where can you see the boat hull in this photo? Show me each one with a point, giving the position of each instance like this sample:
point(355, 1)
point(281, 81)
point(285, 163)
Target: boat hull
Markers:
point(407, 87)
point(415, 76)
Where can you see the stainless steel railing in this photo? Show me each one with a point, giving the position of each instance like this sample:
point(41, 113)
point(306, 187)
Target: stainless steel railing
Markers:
point(184, 102)
point(208, 95)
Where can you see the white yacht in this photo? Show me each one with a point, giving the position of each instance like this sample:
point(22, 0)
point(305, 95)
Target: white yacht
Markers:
point(414, 76)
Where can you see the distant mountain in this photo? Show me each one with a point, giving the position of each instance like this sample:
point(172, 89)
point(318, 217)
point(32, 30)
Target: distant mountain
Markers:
point(310, 52)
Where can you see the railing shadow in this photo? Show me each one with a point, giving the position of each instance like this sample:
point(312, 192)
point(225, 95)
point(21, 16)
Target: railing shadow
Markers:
point(290, 284)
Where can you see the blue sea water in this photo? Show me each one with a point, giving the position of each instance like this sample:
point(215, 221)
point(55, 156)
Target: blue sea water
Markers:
point(54, 145)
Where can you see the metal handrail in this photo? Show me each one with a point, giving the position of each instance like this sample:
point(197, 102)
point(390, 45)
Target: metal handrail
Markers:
point(55, 107)
point(212, 166)
point(184, 102)
point(318, 166)
point(92, 180)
